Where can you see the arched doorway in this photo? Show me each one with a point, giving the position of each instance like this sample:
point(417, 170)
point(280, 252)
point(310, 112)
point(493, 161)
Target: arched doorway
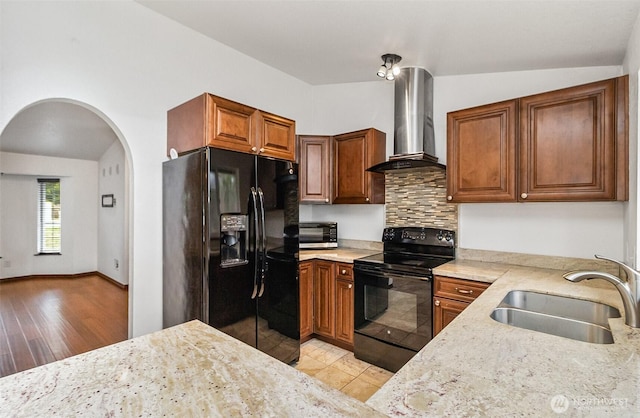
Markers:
point(64, 137)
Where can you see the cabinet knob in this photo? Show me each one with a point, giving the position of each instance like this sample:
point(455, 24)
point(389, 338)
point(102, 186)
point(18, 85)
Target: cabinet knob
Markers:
point(437, 303)
point(254, 149)
point(366, 198)
point(350, 285)
point(261, 150)
point(524, 195)
point(449, 197)
point(326, 200)
point(343, 271)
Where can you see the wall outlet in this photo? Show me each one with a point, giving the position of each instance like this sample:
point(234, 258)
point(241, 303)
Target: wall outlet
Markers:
point(116, 263)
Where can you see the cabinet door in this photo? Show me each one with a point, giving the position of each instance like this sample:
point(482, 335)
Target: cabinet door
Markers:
point(230, 125)
point(353, 153)
point(567, 144)
point(481, 153)
point(275, 136)
point(344, 310)
point(306, 298)
point(324, 298)
point(315, 169)
point(445, 311)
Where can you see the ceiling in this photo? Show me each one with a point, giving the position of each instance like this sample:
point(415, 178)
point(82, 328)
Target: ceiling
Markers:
point(326, 42)
point(58, 129)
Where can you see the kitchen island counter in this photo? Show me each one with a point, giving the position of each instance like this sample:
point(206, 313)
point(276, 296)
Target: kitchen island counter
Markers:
point(479, 367)
point(187, 370)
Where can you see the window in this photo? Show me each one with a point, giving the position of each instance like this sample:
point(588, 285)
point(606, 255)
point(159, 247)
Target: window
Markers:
point(49, 216)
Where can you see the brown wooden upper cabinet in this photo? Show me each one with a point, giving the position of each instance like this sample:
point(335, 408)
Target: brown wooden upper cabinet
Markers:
point(565, 145)
point(315, 171)
point(353, 153)
point(209, 120)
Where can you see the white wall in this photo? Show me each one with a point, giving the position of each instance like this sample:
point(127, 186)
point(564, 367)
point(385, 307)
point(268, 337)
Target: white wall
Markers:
point(132, 65)
point(78, 196)
point(112, 235)
point(632, 67)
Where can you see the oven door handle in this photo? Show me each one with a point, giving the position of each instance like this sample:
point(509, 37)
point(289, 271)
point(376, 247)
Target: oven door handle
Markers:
point(391, 276)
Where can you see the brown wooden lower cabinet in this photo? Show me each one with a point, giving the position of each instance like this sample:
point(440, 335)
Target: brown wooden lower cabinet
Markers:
point(344, 310)
point(326, 302)
point(445, 311)
point(306, 300)
point(450, 297)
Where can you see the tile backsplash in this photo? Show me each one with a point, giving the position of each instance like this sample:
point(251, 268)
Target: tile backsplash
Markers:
point(418, 197)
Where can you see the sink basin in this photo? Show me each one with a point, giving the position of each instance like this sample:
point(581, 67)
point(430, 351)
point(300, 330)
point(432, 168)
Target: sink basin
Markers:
point(566, 307)
point(554, 325)
point(567, 317)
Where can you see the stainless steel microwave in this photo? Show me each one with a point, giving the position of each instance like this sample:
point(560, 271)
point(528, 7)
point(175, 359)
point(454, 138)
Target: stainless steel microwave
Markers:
point(318, 235)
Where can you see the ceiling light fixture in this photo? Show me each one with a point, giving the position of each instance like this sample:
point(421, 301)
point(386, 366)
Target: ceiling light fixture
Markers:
point(390, 68)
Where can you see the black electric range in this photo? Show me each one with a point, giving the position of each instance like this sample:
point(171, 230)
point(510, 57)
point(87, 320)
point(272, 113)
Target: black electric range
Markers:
point(393, 294)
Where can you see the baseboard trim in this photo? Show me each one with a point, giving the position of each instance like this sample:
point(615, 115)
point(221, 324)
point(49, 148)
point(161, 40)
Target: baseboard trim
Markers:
point(112, 280)
point(69, 276)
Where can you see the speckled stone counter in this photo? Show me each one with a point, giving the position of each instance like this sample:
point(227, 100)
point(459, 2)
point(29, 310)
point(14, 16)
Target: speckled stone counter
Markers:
point(188, 370)
point(479, 367)
point(344, 255)
point(472, 270)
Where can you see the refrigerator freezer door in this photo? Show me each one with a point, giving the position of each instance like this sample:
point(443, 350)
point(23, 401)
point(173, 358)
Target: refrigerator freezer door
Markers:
point(278, 303)
point(184, 293)
point(231, 307)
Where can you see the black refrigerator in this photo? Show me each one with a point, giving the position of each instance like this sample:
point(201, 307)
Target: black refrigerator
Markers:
point(230, 247)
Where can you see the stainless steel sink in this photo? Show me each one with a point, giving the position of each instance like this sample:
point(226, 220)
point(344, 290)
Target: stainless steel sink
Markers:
point(567, 317)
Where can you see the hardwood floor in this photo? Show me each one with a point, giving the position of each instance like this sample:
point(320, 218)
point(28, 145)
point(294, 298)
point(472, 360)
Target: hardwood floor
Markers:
point(48, 319)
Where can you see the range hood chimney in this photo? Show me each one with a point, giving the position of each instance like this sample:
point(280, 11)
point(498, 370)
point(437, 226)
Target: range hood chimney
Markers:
point(414, 141)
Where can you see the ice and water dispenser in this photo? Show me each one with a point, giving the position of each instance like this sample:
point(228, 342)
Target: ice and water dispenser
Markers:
point(233, 239)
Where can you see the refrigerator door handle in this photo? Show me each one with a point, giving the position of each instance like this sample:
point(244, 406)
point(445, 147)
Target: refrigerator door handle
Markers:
point(263, 265)
point(254, 201)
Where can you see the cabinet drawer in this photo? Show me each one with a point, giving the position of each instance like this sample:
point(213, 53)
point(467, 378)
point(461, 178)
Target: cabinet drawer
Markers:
point(459, 289)
point(345, 271)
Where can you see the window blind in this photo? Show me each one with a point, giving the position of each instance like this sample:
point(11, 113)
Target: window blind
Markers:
point(49, 216)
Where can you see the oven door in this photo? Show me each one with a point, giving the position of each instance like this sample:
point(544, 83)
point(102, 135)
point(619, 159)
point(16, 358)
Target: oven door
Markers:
point(392, 315)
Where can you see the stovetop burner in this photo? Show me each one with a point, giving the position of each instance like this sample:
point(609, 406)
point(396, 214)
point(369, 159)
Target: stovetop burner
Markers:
point(413, 249)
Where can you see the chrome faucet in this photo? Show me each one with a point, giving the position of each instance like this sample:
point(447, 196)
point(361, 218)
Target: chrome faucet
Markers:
point(629, 289)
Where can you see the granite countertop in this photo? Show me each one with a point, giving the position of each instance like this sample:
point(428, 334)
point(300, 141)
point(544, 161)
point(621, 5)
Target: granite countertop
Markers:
point(187, 370)
point(472, 270)
point(344, 255)
point(479, 367)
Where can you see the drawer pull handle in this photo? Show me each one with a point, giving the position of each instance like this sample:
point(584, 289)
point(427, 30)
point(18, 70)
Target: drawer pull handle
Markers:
point(464, 292)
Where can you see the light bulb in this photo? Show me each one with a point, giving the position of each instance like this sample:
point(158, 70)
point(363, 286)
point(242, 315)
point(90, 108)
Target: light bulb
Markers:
point(389, 75)
point(382, 71)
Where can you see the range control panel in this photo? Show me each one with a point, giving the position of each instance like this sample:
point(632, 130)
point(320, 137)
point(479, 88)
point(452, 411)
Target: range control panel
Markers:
point(420, 236)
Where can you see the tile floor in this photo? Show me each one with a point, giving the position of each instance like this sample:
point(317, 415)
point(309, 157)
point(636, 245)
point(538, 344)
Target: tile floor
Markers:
point(340, 369)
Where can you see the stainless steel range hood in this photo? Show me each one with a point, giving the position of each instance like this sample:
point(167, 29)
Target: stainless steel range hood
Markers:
point(414, 141)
